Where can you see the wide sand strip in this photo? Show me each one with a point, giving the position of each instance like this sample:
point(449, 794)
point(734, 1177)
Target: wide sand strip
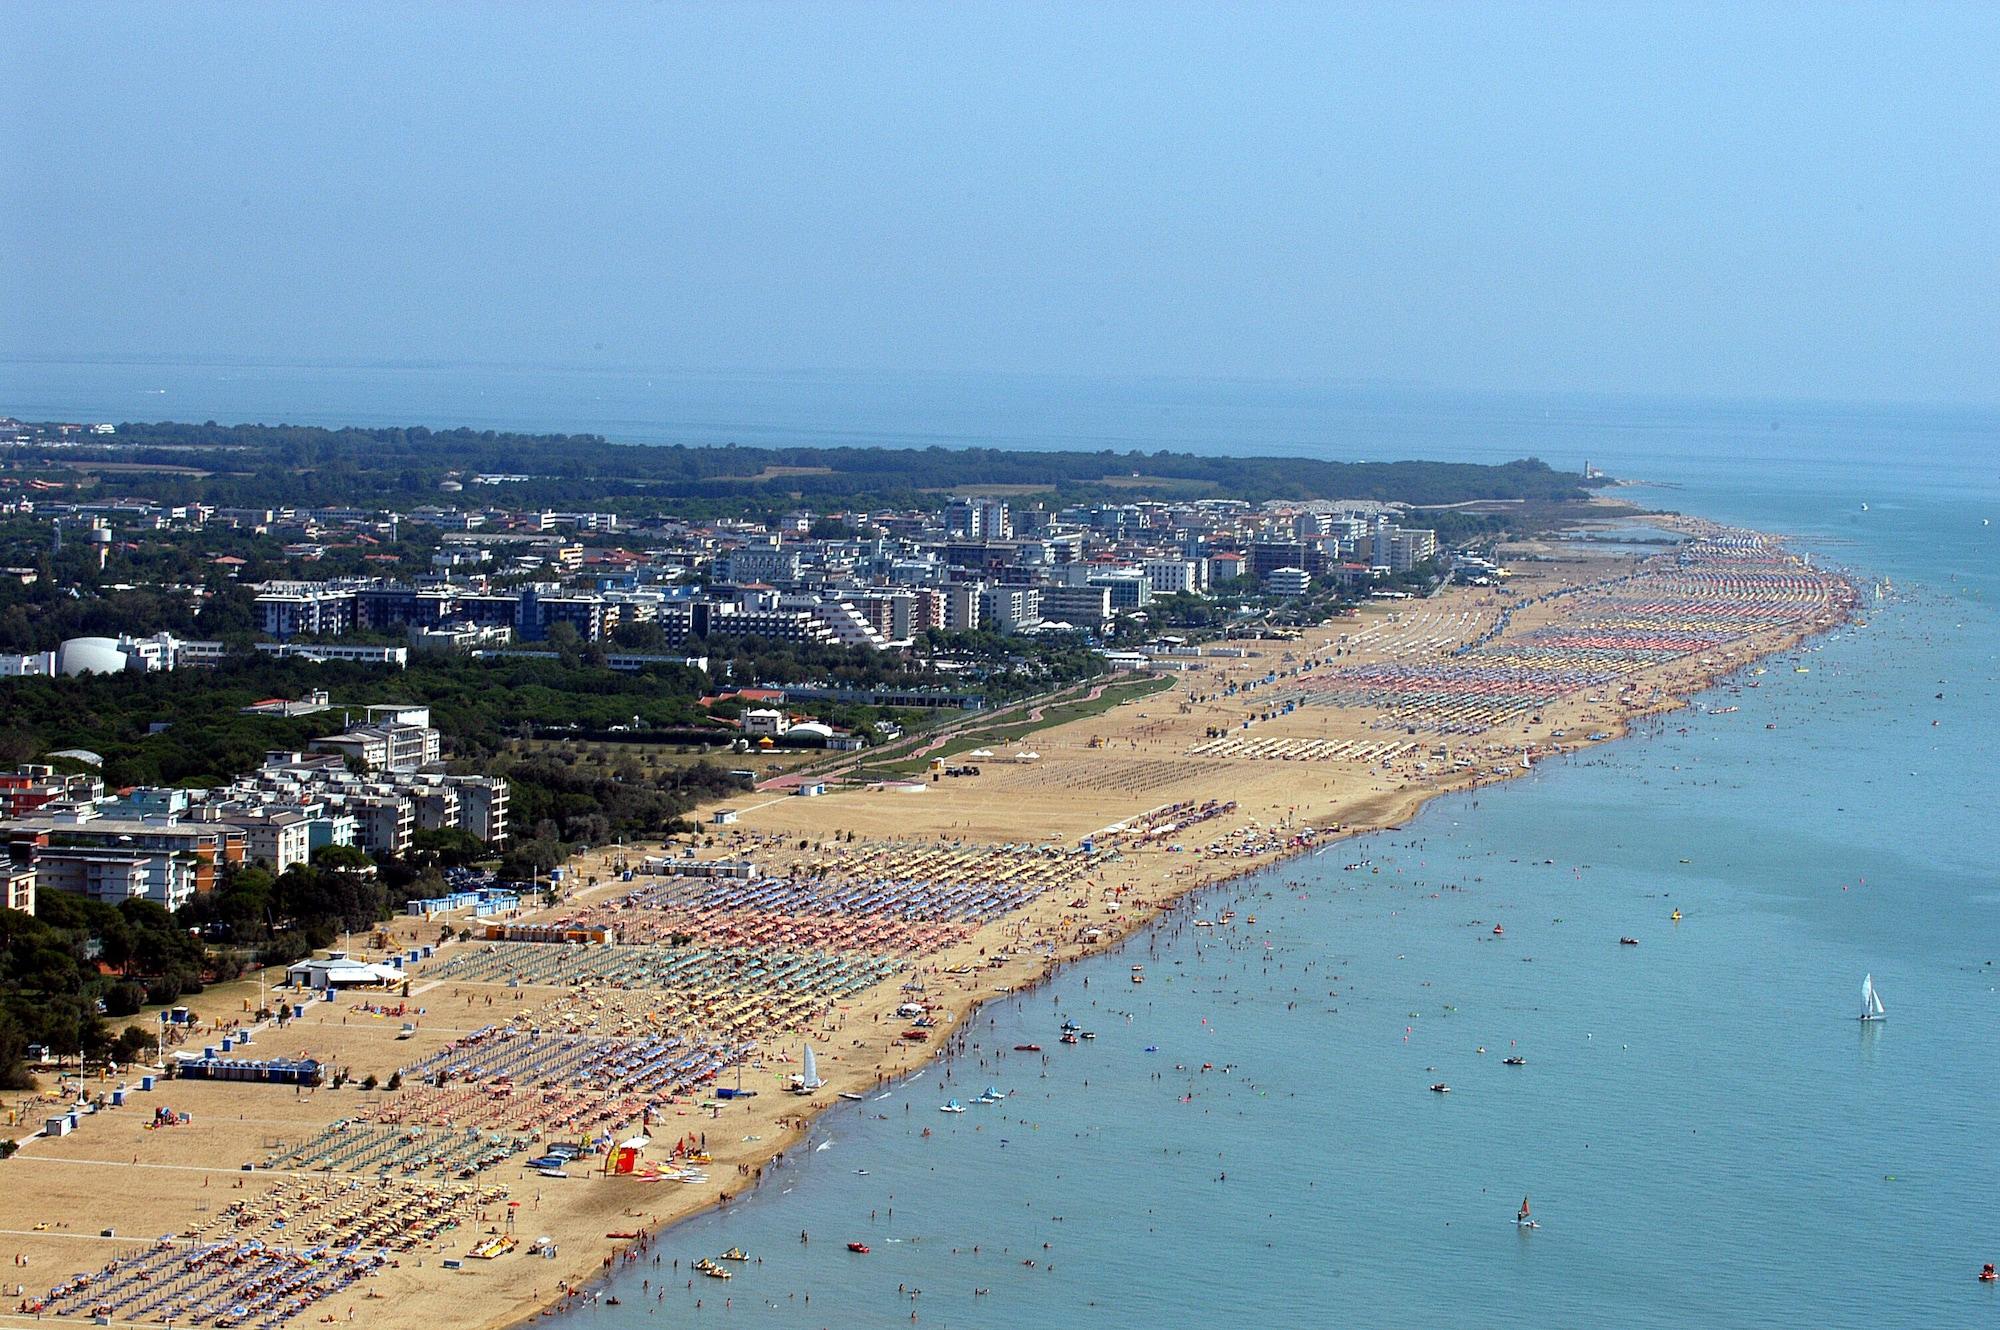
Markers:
point(1240, 762)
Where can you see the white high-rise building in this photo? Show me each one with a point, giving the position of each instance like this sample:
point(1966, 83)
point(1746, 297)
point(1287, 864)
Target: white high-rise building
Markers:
point(1170, 577)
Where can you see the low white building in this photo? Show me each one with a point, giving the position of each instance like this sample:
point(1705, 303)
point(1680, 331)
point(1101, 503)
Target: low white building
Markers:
point(765, 721)
point(338, 970)
point(34, 664)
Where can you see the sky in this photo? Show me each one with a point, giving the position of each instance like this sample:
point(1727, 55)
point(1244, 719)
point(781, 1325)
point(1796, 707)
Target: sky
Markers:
point(1743, 200)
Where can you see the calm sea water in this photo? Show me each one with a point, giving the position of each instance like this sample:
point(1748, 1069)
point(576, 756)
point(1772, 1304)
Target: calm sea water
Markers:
point(1709, 1137)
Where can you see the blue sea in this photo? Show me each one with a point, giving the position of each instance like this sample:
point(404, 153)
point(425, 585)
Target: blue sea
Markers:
point(1709, 1136)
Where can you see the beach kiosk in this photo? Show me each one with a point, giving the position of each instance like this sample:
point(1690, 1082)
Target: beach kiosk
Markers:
point(339, 970)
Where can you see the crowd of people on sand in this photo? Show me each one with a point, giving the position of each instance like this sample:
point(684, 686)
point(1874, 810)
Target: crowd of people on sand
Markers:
point(1707, 596)
point(464, 1144)
point(733, 991)
point(646, 1067)
point(263, 1260)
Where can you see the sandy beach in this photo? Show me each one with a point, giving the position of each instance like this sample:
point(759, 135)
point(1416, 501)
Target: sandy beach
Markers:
point(925, 893)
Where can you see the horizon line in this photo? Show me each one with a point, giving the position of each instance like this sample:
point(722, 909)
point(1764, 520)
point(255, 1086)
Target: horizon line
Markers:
point(1331, 384)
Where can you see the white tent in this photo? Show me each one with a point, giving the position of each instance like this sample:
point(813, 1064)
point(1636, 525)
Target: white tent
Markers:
point(339, 971)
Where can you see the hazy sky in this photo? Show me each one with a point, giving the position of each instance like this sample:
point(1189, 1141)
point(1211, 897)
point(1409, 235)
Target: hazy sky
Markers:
point(1746, 199)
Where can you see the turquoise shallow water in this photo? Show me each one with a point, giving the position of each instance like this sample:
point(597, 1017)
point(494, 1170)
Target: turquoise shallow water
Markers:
point(1709, 1137)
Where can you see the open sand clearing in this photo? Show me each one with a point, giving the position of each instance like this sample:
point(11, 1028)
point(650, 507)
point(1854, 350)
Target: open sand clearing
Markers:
point(930, 895)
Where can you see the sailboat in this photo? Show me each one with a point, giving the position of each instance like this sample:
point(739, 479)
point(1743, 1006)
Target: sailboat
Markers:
point(1523, 1219)
point(1871, 1001)
point(808, 1078)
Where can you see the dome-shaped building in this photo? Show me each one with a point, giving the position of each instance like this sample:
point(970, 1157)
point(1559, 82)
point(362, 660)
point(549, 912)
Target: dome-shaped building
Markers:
point(90, 655)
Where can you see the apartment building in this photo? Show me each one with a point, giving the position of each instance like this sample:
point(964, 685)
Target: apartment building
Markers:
point(385, 747)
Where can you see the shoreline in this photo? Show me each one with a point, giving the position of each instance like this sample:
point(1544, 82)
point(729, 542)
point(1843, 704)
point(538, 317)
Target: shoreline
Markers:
point(1068, 795)
point(1396, 815)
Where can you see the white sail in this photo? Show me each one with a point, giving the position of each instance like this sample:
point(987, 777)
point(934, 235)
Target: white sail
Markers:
point(811, 1079)
point(1871, 1001)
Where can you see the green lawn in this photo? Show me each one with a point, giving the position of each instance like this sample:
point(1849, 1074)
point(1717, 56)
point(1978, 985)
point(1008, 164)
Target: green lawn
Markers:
point(1012, 731)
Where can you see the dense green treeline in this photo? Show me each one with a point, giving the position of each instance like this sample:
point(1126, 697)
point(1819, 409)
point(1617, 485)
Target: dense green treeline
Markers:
point(65, 968)
point(268, 465)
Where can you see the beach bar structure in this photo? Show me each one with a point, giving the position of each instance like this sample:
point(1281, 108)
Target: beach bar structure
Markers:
point(265, 1071)
point(339, 970)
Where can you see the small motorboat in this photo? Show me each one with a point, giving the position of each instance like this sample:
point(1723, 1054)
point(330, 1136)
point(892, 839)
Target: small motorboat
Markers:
point(1499, 931)
point(1088, 1034)
point(1440, 1088)
point(1628, 941)
point(951, 1106)
point(1069, 1037)
point(1027, 1048)
point(860, 1247)
point(1987, 1274)
point(1514, 1062)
